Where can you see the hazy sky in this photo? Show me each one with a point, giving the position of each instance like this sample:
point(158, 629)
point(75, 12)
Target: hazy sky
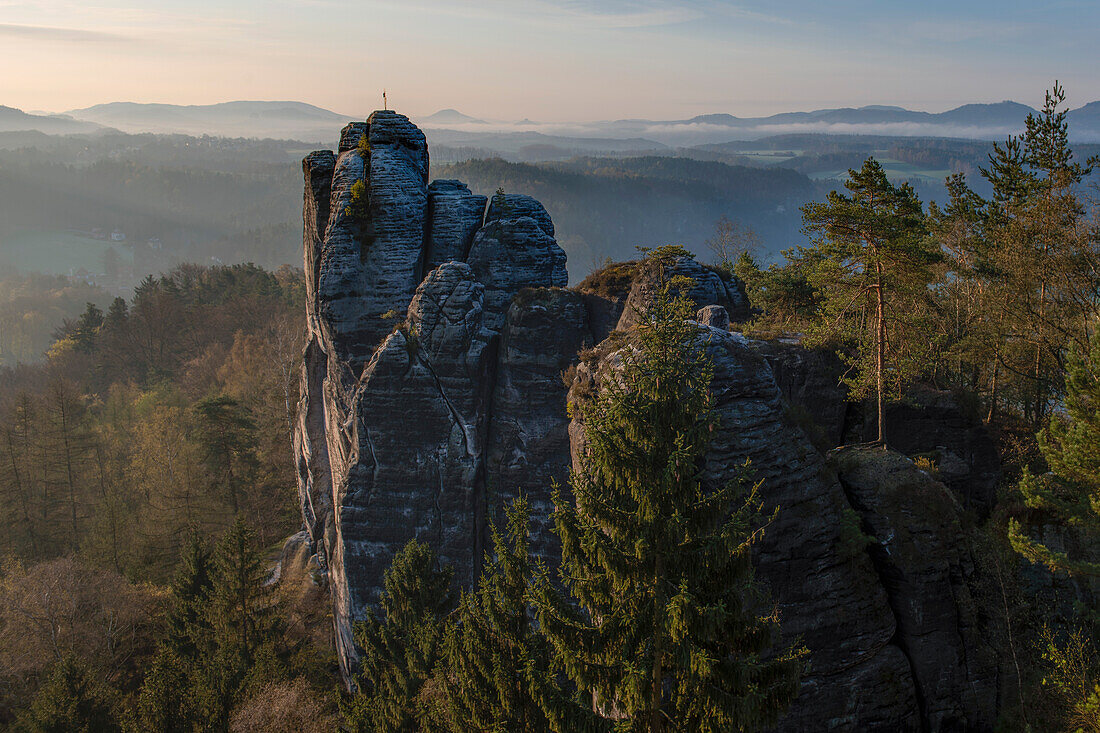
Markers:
point(548, 60)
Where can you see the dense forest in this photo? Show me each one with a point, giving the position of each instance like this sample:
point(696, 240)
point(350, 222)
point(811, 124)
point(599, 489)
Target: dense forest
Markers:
point(149, 430)
point(200, 197)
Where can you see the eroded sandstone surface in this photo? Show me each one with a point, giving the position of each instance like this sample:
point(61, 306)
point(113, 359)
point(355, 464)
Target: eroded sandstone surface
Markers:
point(442, 347)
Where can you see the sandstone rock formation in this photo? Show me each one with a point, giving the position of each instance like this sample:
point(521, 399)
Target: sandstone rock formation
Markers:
point(441, 347)
point(930, 423)
point(921, 558)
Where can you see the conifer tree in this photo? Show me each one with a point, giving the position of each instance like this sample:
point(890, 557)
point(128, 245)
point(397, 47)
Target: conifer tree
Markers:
point(401, 647)
point(496, 671)
point(227, 436)
point(72, 700)
point(1041, 256)
point(663, 628)
point(187, 628)
point(166, 701)
point(220, 638)
point(169, 697)
point(241, 616)
point(970, 312)
point(1071, 491)
point(870, 253)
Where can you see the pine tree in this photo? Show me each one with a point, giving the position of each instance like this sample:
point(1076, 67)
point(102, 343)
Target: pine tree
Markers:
point(969, 305)
point(1042, 256)
point(871, 253)
point(1071, 491)
point(401, 647)
point(496, 671)
point(72, 700)
point(663, 628)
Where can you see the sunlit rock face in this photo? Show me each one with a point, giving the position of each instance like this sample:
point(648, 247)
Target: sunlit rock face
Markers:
point(442, 347)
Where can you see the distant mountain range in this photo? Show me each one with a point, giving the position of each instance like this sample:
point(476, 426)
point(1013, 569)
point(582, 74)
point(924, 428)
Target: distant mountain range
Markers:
point(971, 121)
point(1006, 114)
point(16, 120)
point(295, 120)
point(449, 127)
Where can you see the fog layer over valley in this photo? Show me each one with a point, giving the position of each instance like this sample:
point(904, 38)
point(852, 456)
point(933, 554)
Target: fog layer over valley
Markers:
point(102, 209)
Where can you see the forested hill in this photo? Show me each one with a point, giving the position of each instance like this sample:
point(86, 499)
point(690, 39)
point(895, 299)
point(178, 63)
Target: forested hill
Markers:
point(604, 208)
point(195, 198)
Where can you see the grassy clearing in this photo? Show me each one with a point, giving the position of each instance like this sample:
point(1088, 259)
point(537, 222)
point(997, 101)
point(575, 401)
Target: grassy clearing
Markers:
point(58, 252)
point(895, 169)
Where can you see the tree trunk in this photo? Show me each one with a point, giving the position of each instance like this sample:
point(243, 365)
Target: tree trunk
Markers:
point(880, 353)
point(993, 391)
point(658, 650)
point(68, 448)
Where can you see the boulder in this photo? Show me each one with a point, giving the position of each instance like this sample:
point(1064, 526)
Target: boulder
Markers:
point(714, 316)
point(708, 287)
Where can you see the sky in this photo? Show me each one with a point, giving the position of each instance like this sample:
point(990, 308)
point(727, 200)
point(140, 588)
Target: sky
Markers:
point(548, 60)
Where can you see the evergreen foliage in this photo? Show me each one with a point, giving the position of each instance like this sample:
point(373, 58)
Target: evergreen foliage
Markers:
point(1019, 289)
point(243, 628)
point(167, 701)
point(227, 437)
point(663, 624)
point(400, 648)
point(186, 622)
point(870, 255)
point(496, 672)
point(71, 701)
point(220, 642)
point(1070, 493)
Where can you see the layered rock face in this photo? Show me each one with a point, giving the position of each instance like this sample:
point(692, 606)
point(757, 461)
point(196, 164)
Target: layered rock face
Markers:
point(930, 423)
point(442, 345)
point(919, 554)
point(408, 287)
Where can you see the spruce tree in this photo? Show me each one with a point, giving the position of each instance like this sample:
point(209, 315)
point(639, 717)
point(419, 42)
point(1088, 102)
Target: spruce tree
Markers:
point(663, 624)
point(188, 632)
point(166, 701)
point(871, 254)
point(72, 700)
point(169, 699)
point(496, 673)
point(241, 616)
point(1070, 493)
point(400, 648)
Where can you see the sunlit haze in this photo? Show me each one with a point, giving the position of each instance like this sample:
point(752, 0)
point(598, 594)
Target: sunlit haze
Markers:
point(547, 61)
